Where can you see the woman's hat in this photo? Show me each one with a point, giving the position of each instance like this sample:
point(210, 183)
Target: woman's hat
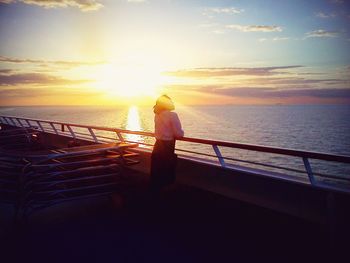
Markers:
point(164, 102)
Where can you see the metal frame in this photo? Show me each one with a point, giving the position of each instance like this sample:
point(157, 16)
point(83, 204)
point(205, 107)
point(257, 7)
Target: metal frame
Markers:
point(35, 181)
point(91, 135)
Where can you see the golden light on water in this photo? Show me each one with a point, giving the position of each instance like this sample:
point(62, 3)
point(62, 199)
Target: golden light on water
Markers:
point(133, 124)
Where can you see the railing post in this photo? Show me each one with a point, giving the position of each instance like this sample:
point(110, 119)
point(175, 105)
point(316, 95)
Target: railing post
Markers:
point(218, 154)
point(120, 137)
point(309, 171)
point(19, 121)
point(29, 125)
point(13, 122)
point(93, 135)
point(40, 126)
point(6, 122)
point(62, 127)
point(53, 127)
point(71, 131)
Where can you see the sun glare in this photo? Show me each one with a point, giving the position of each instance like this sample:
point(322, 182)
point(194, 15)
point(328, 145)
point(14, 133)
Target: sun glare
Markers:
point(129, 81)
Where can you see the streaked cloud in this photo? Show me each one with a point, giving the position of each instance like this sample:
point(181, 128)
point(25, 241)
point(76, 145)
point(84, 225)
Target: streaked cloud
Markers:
point(217, 72)
point(322, 33)
point(279, 84)
point(255, 28)
point(5, 71)
point(35, 78)
point(83, 5)
point(326, 15)
point(38, 92)
point(280, 38)
point(267, 93)
point(225, 10)
point(45, 62)
point(297, 81)
point(263, 39)
point(211, 12)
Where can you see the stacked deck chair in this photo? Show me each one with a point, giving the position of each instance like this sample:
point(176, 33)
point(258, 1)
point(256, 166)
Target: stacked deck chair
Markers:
point(13, 140)
point(46, 179)
point(19, 138)
point(10, 170)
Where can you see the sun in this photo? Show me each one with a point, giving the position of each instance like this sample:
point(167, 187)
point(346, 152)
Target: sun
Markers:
point(129, 81)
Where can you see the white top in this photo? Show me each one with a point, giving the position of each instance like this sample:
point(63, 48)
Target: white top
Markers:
point(167, 126)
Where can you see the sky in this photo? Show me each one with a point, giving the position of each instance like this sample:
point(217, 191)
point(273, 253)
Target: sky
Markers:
point(117, 52)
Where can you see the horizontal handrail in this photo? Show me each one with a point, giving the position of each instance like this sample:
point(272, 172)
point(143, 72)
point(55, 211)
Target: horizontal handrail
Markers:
point(67, 129)
point(252, 147)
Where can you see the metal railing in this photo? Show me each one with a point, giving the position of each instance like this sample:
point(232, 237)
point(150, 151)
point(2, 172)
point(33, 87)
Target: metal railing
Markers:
point(91, 133)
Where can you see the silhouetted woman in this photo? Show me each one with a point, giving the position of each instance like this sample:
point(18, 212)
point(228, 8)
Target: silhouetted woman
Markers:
point(167, 128)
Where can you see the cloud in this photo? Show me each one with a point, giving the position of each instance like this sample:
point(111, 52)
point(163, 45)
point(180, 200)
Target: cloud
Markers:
point(225, 10)
point(5, 71)
point(55, 62)
point(249, 92)
point(280, 38)
point(255, 28)
point(30, 92)
point(326, 15)
point(210, 12)
point(221, 72)
point(297, 81)
point(83, 5)
point(274, 39)
point(322, 33)
point(35, 78)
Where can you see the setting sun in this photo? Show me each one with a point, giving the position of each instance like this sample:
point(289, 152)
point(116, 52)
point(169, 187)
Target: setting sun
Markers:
point(129, 81)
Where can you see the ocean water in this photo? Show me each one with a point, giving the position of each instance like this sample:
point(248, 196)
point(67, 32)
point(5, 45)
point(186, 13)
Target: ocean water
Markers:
point(320, 128)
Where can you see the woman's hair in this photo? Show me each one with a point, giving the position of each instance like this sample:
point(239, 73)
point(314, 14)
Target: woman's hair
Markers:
point(163, 103)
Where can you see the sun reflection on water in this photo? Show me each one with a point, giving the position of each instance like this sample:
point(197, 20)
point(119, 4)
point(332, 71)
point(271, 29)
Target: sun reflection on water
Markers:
point(133, 124)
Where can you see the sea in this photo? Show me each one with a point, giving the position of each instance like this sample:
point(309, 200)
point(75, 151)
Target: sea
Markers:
point(317, 128)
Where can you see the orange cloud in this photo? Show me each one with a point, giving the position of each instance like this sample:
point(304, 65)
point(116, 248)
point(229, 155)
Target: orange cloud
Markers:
point(215, 72)
point(52, 62)
point(84, 5)
point(35, 78)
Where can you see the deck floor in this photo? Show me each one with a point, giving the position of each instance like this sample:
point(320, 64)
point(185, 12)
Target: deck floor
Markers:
point(186, 225)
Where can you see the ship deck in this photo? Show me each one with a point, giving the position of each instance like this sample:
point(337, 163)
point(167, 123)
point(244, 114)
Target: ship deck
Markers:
point(213, 213)
point(185, 225)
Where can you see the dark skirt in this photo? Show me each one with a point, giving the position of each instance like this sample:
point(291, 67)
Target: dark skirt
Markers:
point(163, 164)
